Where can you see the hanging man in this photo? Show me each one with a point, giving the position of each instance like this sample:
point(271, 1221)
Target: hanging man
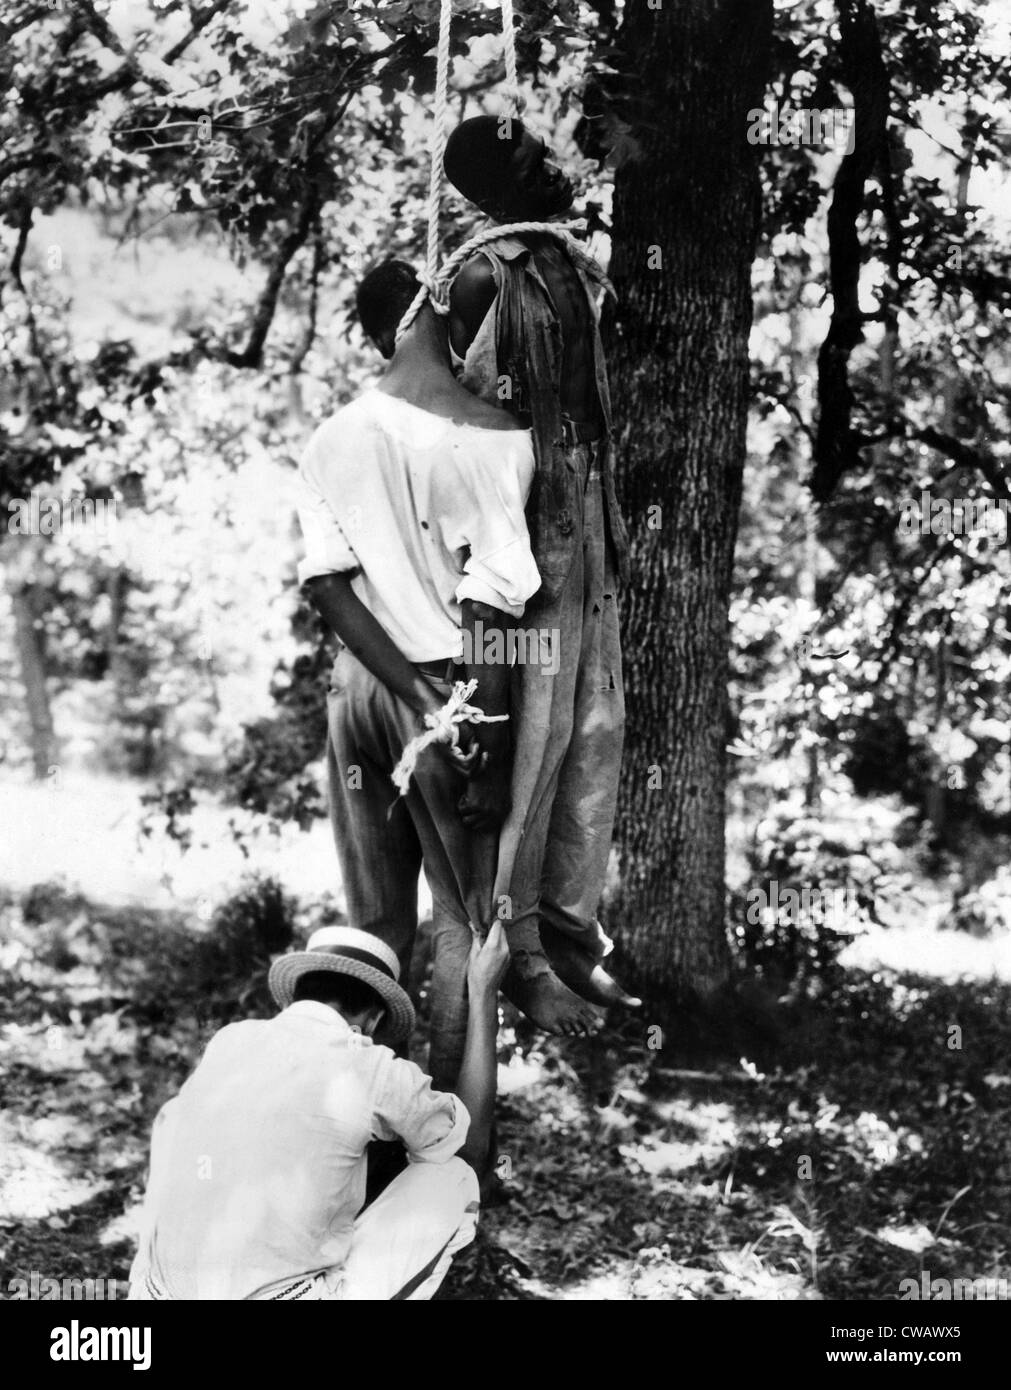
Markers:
point(524, 335)
point(416, 548)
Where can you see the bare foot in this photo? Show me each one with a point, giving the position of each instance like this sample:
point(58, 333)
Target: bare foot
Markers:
point(534, 987)
point(582, 972)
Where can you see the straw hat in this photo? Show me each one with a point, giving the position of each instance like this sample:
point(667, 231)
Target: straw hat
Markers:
point(347, 951)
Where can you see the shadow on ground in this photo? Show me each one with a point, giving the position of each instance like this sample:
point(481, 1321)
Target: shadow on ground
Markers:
point(861, 1139)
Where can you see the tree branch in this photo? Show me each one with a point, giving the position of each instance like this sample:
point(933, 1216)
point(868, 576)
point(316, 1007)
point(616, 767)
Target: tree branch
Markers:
point(302, 351)
point(967, 457)
point(24, 227)
point(199, 24)
point(836, 448)
point(41, 103)
point(87, 20)
point(8, 28)
point(30, 159)
point(252, 353)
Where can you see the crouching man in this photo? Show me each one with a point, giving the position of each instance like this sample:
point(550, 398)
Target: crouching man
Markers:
point(258, 1166)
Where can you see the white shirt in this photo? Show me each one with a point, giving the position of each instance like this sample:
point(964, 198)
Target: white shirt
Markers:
point(258, 1164)
point(426, 511)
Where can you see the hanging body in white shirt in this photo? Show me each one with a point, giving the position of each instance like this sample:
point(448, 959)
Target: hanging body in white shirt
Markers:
point(425, 512)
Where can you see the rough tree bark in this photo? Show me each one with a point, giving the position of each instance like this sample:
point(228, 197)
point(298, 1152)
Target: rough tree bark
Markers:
point(678, 349)
point(31, 657)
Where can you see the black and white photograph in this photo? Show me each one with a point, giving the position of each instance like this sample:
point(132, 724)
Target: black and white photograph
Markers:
point(505, 666)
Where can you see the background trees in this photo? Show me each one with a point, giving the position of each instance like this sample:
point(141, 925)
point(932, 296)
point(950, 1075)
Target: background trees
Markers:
point(686, 219)
point(187, 196)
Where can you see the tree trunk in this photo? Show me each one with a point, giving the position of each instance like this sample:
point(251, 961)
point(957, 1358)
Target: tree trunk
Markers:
point(937, 791)
point(31, 657)
point(679, 367)
point(807, 568)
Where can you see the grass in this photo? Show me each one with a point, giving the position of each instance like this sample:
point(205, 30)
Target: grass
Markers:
point(860, 1141)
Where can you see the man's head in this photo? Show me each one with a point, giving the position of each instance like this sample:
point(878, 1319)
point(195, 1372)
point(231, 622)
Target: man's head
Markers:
point(353, 960)
point(356, 1002)
point(499, 166)
point(383, 297)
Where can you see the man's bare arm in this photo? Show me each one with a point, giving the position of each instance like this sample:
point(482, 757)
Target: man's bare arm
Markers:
point(486, 802)
point(476, 1083)
point(343, 611)
point(470, 297)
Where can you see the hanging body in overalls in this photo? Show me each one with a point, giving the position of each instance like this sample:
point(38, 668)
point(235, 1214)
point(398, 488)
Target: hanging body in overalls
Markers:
point(569, 724)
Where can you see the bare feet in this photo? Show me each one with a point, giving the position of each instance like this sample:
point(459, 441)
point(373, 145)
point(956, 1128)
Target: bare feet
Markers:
point(581, 972)
point(533, 986)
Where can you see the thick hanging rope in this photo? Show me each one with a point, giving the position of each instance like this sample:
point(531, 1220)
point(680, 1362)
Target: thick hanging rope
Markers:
point(562, 231)
point(435, 289)
point(443, 727)
point(439, 137)
point(437, 150)
point(509, 52)
point(435, 283)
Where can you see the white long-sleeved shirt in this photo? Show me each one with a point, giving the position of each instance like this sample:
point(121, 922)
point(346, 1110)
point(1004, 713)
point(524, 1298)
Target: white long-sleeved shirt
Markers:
point(425, 512)
point(258, 1165)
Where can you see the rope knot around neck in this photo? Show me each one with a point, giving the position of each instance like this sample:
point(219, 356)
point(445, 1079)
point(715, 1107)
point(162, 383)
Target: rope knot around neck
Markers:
point(435, 283)
point(435, 289)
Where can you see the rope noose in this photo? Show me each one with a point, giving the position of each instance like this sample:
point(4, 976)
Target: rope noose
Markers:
point(435, 282)
point(438, 139)
point(429, 287)
point(509, 53)
point(442, 727)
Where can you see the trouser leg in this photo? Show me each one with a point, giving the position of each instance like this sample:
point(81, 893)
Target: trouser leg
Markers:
point(543, 701)
point(377, 844)
point(383, 838)
point(451, 943)
point(555, 845)
point(583, 806)
point(459, 863)
point(378, 850)
point(404, 1243)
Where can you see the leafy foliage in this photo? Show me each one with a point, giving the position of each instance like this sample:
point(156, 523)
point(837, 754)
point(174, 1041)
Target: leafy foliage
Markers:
point(693, 1160)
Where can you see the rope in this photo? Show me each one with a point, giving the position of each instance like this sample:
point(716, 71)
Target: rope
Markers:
point(429, 289)
point(562, 231)
point(437, 289)
point(509, 52)
point(434, 283)
point(443, 727)
point(439, 136)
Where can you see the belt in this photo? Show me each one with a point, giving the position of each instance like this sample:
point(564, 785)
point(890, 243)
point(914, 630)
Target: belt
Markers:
point(579, 431)
point(445, 669)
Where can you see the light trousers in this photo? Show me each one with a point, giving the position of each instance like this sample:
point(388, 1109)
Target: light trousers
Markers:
point(383, 840)
point(554, 847)
point(404, 1243)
